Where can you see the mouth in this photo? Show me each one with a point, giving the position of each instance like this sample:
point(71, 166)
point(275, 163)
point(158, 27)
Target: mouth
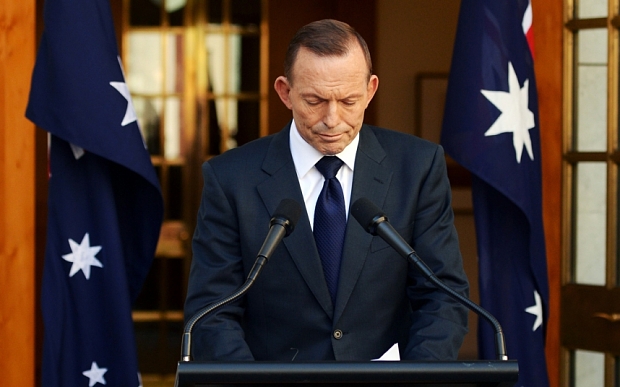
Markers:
point(331, 137)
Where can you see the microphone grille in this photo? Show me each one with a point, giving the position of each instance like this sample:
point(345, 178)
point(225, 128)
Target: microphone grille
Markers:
point(366, 213)
point(288, 209)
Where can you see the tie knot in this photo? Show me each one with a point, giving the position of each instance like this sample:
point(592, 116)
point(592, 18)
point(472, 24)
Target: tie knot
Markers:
point(329, 166)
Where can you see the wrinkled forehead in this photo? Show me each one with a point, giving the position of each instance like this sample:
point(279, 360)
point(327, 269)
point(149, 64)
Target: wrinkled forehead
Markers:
point(353, 50)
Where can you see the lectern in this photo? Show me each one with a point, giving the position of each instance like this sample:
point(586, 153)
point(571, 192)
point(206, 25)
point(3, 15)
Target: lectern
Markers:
point(500, 373)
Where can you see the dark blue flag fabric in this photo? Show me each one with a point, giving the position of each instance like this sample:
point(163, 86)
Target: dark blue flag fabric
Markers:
point(105, 206)
point(491, 128)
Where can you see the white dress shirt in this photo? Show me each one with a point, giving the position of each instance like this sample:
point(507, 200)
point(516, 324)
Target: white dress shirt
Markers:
point(310, 179)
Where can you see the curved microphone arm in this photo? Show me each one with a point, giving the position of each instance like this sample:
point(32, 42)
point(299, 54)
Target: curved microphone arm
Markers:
point(282, 224)
point(500, 344)
point(375, 222)
point(186, 343)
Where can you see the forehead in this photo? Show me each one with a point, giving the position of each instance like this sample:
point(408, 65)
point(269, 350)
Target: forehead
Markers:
point(312, 69)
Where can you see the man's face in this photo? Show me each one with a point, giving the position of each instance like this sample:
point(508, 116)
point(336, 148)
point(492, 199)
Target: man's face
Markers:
point(328, 97)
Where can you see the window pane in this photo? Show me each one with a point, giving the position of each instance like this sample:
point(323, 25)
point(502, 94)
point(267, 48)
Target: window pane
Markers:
point(591, 93)
point(175, 207)
point(224, 68)
point(248, 121)
point(144, 74)
point(591, 8)
point(226, 117)
point(148, 298)
point(145, 13)
point(175, 292)
point(246, 12)
point(176, 12)
point(588, 368)
point(214, 11)
point(618, 239)
point(250, 64)
point(174, 63)
point(149, 111)
point(590, 227)
point(158, 172)
point(173, 128)
point(152, 357)
point(214, 135)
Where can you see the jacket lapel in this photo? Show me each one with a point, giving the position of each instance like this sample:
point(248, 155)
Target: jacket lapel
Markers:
point(283, 183)
point(370, 180)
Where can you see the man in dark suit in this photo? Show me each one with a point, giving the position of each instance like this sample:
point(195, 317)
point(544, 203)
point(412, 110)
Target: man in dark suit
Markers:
point(372, 298)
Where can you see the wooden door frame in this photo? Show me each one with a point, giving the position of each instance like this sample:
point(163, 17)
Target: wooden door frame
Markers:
point(548, 27)
point(17, 194)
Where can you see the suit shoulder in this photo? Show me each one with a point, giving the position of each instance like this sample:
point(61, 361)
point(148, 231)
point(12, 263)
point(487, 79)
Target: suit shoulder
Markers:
point(393, 140)
point(248, 154)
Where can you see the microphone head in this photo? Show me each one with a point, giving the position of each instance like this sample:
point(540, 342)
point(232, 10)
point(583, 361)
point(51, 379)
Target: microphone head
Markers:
point(287, 214)
point(367, 214)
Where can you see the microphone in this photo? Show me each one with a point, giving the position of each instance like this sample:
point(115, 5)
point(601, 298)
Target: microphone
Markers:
point(375, 222)
point(282, 224)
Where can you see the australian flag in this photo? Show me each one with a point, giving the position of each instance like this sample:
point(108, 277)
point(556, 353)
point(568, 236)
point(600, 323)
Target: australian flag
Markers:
point(105, 207)
point(491, 128)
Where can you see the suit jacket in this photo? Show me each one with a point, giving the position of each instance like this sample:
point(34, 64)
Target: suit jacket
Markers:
point(288, 313)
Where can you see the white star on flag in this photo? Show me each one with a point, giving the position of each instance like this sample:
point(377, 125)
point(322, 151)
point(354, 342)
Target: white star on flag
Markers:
point(83, 256)
point(515, 117)
point(130, 113)
point(536, 310)
point(78, 152)
point(95, 374)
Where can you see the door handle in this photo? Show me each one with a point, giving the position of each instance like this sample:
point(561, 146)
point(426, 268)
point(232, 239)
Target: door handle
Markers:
point(614, 317)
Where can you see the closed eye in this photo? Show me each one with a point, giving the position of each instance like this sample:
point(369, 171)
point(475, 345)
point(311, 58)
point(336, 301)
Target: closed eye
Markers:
point(313, 101)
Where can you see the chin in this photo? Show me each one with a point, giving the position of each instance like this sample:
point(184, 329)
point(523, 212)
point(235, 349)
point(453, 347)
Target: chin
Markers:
point(331, 151)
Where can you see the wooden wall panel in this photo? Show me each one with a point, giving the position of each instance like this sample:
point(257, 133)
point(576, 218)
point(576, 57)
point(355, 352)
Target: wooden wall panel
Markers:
point(17, 247)
point(548, 26)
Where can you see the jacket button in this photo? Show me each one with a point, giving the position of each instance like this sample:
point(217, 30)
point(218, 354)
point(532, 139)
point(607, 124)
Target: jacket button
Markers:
point(337, 334)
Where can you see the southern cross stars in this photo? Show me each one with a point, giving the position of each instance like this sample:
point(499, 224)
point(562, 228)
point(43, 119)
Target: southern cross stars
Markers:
point(536, 310)
point(95, 374)
point(130, 113)
point(516, 117)
point(83, 256)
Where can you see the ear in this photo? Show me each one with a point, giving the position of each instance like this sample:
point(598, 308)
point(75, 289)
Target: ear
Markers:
point(373, 85)
point(283, 88)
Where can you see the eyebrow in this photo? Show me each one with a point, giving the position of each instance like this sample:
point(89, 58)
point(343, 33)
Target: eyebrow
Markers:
point(315, 95)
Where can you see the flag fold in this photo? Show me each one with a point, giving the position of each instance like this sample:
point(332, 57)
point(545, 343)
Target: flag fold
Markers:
point(105, 207)
point(491, 128)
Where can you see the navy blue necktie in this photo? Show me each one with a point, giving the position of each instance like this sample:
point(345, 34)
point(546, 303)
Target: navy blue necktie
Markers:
point(330, 221)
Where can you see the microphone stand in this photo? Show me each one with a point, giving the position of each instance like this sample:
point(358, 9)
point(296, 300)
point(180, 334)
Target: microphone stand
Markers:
point(374, 221)
point(500, 345)
point(281, 225)
point(186, 342)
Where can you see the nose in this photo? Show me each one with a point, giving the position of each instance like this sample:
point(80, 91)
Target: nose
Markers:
point(332, 115)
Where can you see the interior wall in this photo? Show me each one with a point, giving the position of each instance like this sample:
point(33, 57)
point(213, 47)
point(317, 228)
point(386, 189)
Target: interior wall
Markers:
point(413, 37)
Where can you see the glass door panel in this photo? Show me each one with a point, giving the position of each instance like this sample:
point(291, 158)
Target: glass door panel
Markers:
point(590, 296)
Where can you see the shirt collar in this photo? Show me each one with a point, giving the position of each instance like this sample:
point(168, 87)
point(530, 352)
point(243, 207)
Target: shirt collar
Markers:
point(305, 155)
